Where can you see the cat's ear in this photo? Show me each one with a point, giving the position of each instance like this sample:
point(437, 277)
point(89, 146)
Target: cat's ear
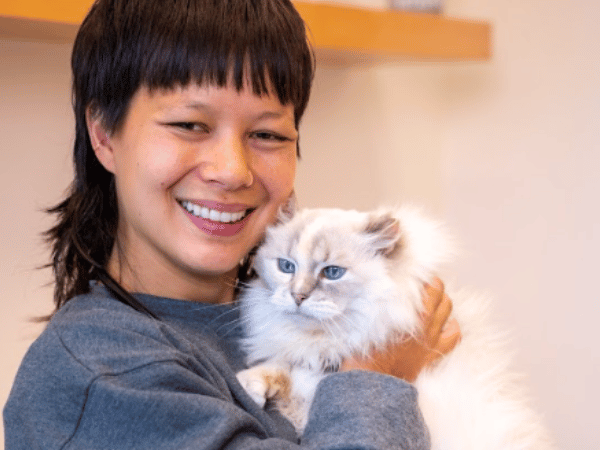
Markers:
point(287, 209)
point(384, 230)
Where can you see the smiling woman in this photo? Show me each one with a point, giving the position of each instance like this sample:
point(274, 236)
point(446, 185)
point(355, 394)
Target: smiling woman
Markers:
point(187, 116)
point(148, 64)
point(172, 161)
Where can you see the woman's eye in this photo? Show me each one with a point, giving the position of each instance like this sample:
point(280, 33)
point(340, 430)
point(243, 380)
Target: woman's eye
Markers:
point(333, 272)
point(190, 126)
point(270, 136)
point(286, 266)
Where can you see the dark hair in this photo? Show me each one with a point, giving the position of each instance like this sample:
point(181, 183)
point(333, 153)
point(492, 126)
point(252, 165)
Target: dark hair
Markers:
point(125, 44)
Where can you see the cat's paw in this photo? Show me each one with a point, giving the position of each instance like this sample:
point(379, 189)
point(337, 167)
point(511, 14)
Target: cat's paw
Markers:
point(264, 382)
point(255, 384)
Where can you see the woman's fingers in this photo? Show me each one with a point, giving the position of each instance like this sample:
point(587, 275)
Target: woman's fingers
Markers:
point(450, 337)
point(434, 293)
point(406, 357)
point(440, 333)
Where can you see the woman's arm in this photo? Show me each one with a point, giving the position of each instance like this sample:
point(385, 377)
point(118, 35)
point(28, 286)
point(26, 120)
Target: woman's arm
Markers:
point(118, 380)
point(437, 336)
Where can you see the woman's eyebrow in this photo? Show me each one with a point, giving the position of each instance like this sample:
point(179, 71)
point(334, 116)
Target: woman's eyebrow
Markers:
point(272, 114)
point(196, 105)
point(170, 108)
point(269, 114)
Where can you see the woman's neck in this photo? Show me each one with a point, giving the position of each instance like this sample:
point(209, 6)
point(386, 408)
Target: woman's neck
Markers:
point(210, 288)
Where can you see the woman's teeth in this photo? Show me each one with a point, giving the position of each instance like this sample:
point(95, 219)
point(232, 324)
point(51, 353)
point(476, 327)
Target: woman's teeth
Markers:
point(211, 214)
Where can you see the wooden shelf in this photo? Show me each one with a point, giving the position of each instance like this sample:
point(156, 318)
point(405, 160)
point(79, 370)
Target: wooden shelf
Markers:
point(340, 34)
point(374, 35)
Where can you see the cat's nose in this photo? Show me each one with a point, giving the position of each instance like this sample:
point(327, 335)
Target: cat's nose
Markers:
point(299, 297)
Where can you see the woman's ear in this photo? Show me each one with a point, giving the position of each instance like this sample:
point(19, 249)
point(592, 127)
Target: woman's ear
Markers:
point(100, 139)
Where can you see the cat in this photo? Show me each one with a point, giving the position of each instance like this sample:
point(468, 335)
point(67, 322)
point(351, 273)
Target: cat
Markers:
point(331, 283)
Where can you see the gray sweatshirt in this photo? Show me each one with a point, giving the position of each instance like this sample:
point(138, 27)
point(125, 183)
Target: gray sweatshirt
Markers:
point(105, 376)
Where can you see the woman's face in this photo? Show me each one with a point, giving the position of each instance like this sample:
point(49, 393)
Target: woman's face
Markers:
point(200, 171)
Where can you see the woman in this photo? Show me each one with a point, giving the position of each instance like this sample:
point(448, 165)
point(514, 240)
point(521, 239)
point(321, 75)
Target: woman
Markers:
point(187, 117)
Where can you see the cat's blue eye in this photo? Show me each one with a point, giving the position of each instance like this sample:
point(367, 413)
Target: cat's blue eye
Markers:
point(333, 272)
point(286, 266)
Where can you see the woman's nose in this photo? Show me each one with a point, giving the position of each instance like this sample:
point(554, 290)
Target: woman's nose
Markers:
point(227, 164)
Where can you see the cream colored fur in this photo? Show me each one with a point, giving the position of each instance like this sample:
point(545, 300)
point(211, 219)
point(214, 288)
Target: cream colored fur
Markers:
point(470, 400)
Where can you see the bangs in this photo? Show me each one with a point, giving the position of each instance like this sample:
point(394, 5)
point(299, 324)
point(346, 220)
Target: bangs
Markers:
point(235, 43)
point(163, 44)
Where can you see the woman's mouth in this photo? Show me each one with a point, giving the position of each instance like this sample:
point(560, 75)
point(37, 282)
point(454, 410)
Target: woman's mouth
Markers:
point(212, 214)
point(214, 222)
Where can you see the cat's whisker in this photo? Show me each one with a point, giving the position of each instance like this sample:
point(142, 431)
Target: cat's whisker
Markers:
point(338, 325)
point(350, 325)
point(231, 326)
point(263, 326)
point(242, 284)
point(339, 335)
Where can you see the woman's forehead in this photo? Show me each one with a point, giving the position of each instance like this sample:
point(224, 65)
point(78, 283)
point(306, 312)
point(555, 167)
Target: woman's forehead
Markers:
point(210, 99)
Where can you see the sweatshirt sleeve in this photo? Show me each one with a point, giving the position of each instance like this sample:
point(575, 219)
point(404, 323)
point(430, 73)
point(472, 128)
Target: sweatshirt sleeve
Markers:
point(138, 391)
point(123, 413)
point(366, 410)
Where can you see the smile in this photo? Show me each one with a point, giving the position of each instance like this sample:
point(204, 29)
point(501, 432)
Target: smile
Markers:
point(212, 214)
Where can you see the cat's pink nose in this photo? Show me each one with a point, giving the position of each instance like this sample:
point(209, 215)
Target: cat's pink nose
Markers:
point(299, 297)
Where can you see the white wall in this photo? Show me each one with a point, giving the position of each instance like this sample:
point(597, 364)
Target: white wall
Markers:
point(356, 133)
point(35, 137)
point(506, 151)
point(521, 155)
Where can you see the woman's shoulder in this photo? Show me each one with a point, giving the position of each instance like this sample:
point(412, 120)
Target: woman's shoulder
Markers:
point(102, 334)
point(97, 352)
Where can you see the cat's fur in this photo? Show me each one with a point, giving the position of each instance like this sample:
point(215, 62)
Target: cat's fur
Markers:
point(301, 325)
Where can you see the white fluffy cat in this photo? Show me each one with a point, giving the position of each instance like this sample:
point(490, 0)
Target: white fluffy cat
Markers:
point(332, 283)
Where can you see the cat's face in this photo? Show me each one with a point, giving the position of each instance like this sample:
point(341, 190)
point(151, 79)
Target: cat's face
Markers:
point(323, 265)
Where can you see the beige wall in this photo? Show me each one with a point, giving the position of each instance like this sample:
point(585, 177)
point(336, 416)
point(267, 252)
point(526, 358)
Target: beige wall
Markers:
point(506, 151)
point(35, 136)
point(356, 133)
point(521, 155)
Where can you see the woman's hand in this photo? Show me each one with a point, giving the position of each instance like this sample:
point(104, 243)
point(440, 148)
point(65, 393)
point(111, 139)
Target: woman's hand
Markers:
point(436, 337)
